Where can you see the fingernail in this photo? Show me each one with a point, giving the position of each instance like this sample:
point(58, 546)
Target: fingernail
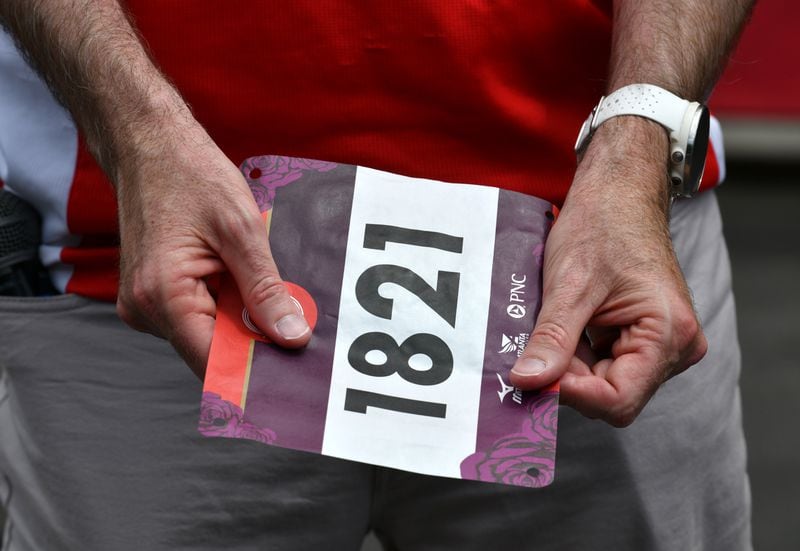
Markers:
point(529, 367)
point(292, 326)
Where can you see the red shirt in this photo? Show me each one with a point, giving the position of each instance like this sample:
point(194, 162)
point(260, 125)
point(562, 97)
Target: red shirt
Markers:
point(486, 92)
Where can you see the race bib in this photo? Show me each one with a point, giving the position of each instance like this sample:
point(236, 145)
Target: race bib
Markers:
point(421, 294)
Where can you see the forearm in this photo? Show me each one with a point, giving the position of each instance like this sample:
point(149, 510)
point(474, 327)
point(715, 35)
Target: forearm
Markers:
point(680, 45)
point(94, 62)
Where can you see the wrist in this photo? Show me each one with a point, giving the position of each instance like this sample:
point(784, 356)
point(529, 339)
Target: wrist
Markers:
point(142, 128)
point(629, 137)
point(621, 178)
point(626, 158)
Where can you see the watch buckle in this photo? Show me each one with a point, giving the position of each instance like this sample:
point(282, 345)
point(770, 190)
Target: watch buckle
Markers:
point(587, 129)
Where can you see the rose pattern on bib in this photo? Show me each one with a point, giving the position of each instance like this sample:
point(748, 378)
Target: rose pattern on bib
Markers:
point(526, 458)
point(219, 417)
point(266, 173)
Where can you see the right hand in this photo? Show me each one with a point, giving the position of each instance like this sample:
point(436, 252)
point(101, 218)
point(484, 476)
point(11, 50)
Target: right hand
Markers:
point(186, 213)
point(610, 271)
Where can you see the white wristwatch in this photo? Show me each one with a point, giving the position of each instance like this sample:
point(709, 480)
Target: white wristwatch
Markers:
point(686, 122)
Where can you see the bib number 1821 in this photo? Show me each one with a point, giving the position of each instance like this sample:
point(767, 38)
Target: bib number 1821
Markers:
point(396, 356)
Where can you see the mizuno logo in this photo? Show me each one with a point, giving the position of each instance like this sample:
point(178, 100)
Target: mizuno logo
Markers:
point(504, 388)
point(516, 394)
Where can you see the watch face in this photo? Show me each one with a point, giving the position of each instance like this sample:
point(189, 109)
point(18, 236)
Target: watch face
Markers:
point(696, 149)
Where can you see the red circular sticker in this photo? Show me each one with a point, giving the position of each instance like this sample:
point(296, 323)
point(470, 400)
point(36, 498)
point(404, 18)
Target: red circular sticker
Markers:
point(300, 297)
point(307, 305)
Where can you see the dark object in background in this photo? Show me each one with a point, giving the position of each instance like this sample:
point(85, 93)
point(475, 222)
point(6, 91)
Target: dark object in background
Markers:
point(21, 273)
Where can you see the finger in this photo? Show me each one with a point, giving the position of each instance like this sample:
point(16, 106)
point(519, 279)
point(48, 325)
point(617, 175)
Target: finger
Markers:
point(602, 339)
point(247, 255)
point(134, 319)
point(157, 300)
point(192, 330)
point(695, 352)
point(554, 340)
point(579, 366)
point(136, 305)
point(615, 390)
point(573, 388)
point(585, 353)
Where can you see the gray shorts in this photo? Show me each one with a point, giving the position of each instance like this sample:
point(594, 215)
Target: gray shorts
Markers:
point(99, 451)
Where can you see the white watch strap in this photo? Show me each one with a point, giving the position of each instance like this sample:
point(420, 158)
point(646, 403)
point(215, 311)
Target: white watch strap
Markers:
point(644, 100)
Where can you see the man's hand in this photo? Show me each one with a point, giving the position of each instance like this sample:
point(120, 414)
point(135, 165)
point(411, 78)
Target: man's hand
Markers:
point(186, 213)
point(610, 274)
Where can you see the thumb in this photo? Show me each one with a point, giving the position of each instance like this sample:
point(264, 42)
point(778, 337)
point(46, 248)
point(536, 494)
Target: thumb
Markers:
point(264, 294)
point(551, 348)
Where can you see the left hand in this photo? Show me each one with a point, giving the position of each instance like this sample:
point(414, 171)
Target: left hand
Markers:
point(186, 214)
point(610, 274)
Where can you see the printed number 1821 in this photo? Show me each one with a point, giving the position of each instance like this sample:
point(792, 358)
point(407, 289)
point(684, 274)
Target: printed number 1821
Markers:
point(443, 300)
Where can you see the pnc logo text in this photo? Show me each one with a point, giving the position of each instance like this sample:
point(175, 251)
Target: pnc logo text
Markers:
point(516, 297)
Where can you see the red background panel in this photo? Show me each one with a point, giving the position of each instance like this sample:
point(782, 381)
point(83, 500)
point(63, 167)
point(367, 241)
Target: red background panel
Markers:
point(763, 75)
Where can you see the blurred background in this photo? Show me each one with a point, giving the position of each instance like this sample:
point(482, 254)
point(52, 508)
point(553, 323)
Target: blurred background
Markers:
point(758, 103)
